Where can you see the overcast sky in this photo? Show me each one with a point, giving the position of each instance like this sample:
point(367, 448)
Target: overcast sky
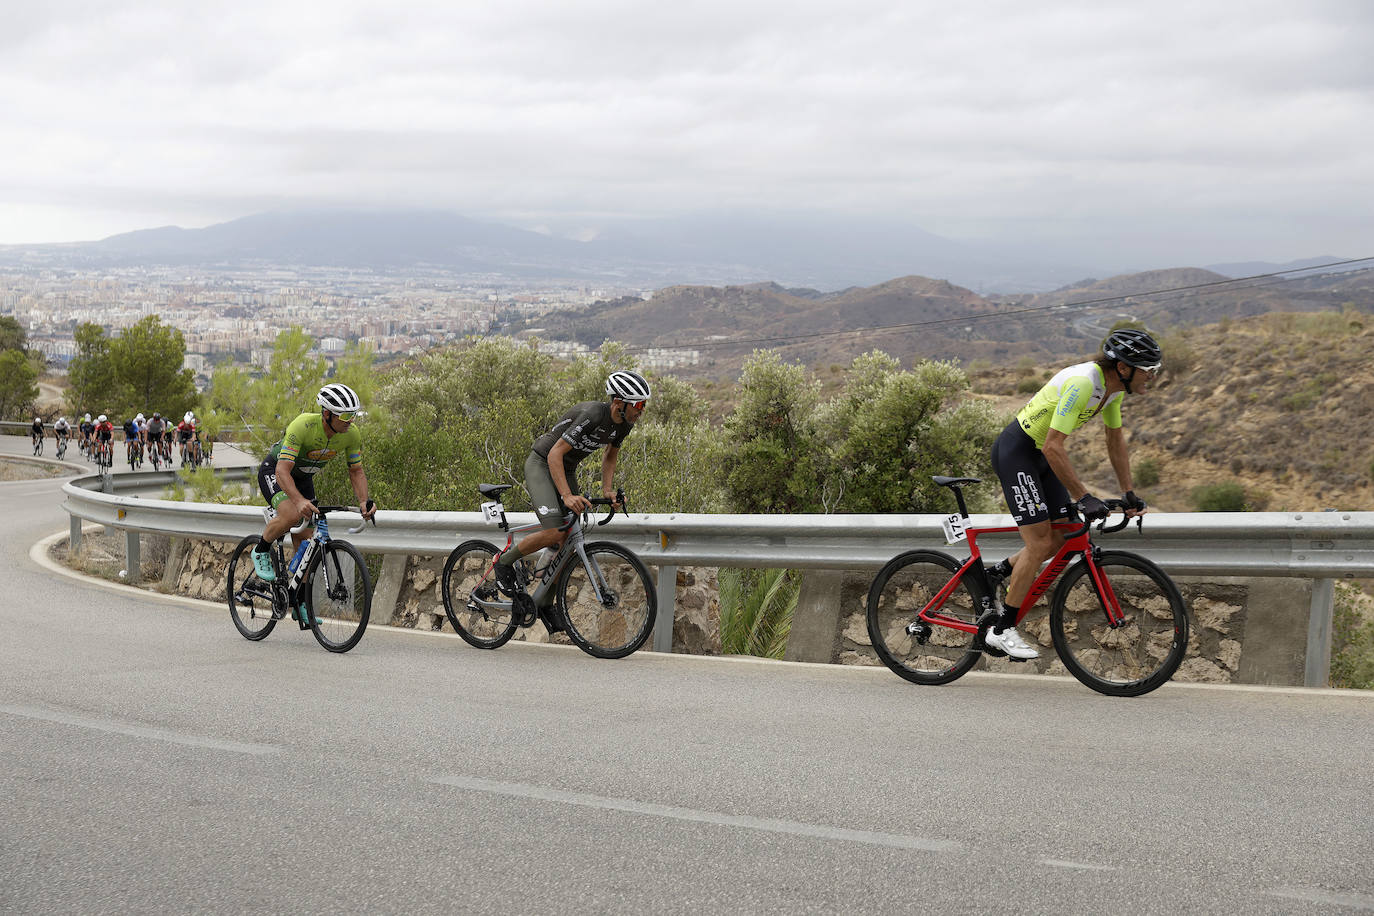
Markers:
point(1183, 131)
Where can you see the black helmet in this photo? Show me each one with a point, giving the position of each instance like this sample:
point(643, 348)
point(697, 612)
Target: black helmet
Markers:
point(1134, 348)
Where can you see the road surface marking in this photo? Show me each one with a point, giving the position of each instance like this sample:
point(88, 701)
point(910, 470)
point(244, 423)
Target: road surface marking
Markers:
point(139, 731)
point(795, 828)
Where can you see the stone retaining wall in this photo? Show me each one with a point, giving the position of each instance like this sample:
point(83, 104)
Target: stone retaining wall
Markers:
point(1250, 631)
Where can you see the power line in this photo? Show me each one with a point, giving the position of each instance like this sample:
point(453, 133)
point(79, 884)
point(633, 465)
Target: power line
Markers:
point(1084, 305)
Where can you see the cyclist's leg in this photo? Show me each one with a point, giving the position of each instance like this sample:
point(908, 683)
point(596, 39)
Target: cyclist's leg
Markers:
point(1035, 497)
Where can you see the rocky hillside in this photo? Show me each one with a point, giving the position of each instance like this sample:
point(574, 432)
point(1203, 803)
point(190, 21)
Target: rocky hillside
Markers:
point(1282, 404)
point(917, 317)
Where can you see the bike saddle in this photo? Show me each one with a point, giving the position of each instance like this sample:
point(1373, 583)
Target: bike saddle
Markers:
point(493, 490)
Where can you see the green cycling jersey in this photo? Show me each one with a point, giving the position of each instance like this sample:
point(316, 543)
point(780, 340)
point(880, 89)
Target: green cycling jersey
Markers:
point(1071, 398)
point(308, 444)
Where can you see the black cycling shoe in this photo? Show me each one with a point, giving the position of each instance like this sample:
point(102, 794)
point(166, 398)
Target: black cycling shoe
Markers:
point(552, 620)
point(505, 579)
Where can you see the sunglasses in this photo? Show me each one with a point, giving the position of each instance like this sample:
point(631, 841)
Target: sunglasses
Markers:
point(347, 416)
point(637, 405)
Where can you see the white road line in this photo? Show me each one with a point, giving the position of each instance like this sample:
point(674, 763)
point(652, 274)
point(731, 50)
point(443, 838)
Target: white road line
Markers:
point(1329, 898)
point(1079, 866)
point(139, 731)
point(795, 828)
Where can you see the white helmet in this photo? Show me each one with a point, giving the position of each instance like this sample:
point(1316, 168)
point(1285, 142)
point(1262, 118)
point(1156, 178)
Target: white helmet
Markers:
point(101, 419)
point(38, 419)
point(139, 418)
point(87, 418)
point(189, 417)
point(627, 385)
point(337, 398)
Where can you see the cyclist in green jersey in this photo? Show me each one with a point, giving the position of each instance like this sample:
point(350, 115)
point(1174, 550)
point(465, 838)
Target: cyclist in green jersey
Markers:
point(551, 468)
point(1033, 465)
point(286, 475)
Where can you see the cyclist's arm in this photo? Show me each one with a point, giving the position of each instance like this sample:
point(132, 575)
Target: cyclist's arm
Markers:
point(608, 463)
point(358, 478)
point(575, 502)
point(1058, 457)
point(288, 486)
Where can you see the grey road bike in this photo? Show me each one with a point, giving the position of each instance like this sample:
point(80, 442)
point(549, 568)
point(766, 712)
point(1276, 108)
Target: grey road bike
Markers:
point(598, 592)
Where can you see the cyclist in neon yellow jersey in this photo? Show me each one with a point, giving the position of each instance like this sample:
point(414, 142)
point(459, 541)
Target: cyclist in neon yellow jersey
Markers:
point(286, 475)
point(1039, 482)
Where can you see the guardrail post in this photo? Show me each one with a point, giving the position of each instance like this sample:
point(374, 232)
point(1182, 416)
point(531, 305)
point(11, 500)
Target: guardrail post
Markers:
point(667, 608)
point(133, 561)
point(74, 536)
point(386, 593)
point(1317, 670)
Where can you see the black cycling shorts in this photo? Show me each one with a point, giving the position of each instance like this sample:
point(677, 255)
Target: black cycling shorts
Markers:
point(1033, 492)
point(272, 491)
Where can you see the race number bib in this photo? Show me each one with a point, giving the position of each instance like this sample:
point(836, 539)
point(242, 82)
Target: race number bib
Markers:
point(954, 529)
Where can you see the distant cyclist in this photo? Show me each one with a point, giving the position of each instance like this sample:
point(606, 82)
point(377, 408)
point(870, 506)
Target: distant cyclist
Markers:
point(1039, 482)
point(133, 432)
point(36, 429)
point(61, 429)
point(551, 468)
point(287, 475)
point(87, 429)
point(153, 432)
point(102, 437)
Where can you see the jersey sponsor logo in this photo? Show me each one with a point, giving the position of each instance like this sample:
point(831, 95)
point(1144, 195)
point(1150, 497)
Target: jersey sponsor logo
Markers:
point(320, 454)
point(1066, 406)
point(1026, 494)
point(544, 510)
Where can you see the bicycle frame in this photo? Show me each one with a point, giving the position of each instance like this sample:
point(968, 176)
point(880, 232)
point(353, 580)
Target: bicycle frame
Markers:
point(547, 575)
point(1078, 543)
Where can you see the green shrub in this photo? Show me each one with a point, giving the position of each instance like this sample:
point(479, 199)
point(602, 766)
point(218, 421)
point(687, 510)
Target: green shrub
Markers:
point(1028, 385)
point(756, 608)
point(1227, 496)
point(1146, 472)
point(1352, 640)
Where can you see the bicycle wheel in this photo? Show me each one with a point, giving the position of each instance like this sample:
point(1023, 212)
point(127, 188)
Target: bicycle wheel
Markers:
point(250, 598)
point(922, 653)
point(1140, 654)
point(468, 589)
point(623, 618)
point(337, 590)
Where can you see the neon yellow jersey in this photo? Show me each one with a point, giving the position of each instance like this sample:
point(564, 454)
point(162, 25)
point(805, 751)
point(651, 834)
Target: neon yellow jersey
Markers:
point(310, 447)
point(1073, 397)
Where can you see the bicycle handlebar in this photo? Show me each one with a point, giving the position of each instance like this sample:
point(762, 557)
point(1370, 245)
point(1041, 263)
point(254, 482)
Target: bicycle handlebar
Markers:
point(310, 521)
point(1102, 527)
point(612, 501)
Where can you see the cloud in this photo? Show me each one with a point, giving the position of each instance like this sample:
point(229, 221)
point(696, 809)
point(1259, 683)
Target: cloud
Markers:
point(993, 119)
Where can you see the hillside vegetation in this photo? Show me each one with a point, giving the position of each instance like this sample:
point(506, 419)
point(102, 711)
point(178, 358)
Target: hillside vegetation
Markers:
point(1280, 405)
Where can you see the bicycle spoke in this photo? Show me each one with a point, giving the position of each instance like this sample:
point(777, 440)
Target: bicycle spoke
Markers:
point(467, 588)
point(610, 620)
point(914, 649)
point(1139, 654)
point(338, 595)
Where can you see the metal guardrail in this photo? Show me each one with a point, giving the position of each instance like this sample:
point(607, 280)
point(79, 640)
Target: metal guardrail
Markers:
point(1322, 546)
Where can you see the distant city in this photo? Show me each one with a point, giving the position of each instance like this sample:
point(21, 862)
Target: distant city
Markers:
point(232, 317)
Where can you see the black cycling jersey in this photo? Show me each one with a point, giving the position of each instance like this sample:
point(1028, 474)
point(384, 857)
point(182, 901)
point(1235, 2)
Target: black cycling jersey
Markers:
point(586, 428)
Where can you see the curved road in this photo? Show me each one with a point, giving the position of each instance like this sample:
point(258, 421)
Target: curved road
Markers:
point(152, 760)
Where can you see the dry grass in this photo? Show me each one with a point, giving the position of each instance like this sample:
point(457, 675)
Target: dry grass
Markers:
point(29, 470)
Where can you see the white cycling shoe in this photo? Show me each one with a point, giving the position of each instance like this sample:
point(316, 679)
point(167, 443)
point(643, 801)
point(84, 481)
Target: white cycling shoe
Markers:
point(1010, 642)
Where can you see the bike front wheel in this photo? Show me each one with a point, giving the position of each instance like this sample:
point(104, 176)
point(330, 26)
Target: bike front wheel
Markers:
point(609, 603)
point(337, 590)
point(1139, 654)
point(922, 652)
point(250, 598)
point(469, 591)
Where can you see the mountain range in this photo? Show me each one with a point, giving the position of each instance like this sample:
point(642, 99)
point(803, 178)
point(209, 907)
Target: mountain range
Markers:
point(797, 250)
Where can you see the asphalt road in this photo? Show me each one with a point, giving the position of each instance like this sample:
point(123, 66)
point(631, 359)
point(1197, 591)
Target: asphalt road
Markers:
point(151, 760)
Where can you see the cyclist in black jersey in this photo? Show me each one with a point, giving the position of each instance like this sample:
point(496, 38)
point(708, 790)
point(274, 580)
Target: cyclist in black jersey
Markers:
point(551, 468)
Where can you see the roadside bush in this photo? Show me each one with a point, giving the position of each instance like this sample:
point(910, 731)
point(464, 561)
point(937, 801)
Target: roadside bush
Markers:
point(756, 608)
point(1146, 472)
point(1227, 496)
point(1352, 643)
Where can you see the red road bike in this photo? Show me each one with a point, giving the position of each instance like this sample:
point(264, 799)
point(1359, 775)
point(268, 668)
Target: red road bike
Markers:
point(1116, 620)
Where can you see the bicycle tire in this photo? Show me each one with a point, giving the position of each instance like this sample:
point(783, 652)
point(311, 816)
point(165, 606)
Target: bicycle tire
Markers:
point(337, 592)
point(247, 594)
point(621, 625)
point(898, 593)
point(1142, 653)
point(467, 576)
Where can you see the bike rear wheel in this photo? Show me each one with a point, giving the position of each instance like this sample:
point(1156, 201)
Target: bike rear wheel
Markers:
point(1140, 654)
point(337, 591)
point(467, 581)
point(250, 598)
point(921, 652)
point(621, 621)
